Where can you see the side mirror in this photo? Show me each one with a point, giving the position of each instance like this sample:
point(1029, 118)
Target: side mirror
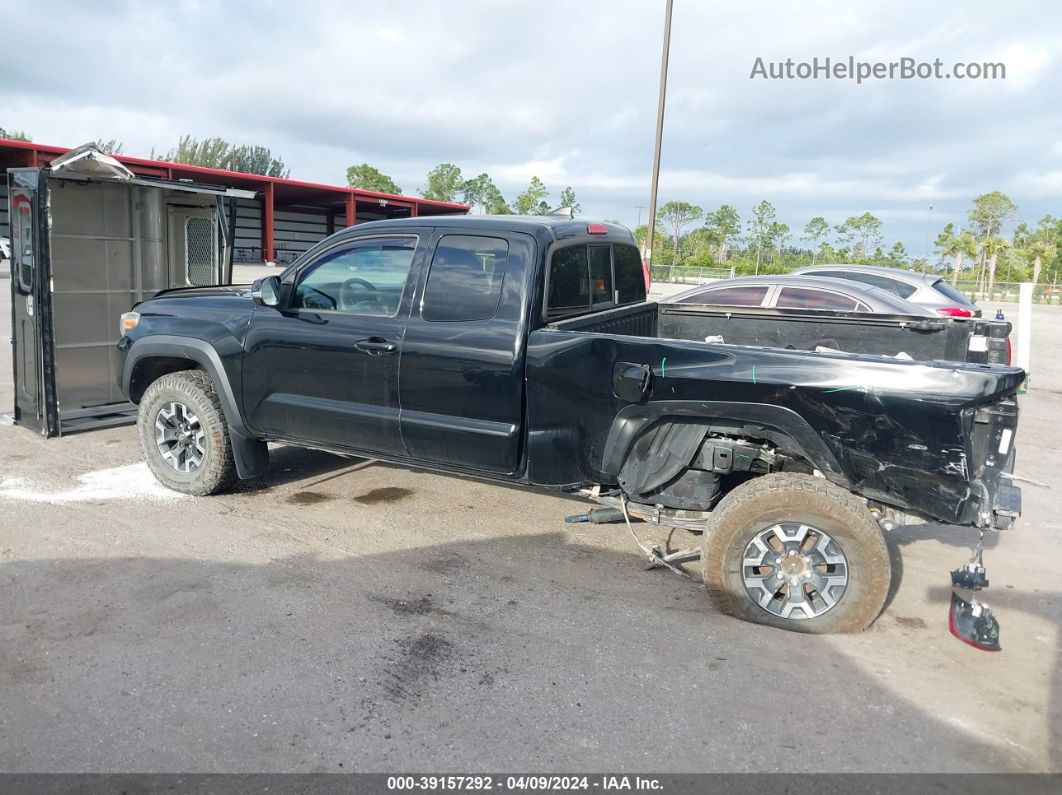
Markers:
point(266, 292)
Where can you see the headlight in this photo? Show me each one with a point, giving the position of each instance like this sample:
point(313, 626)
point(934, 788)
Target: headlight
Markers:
point(128, 322)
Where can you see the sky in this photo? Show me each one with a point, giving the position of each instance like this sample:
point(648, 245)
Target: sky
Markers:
point(567, 91)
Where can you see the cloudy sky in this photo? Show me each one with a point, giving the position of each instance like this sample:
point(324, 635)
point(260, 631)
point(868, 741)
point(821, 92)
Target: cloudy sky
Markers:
point(567, 91)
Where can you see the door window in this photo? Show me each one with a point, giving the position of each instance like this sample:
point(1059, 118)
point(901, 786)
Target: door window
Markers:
point(805, 298)
point(465, 279)
point(746, 295)
point(22, 241)
point(365, 278)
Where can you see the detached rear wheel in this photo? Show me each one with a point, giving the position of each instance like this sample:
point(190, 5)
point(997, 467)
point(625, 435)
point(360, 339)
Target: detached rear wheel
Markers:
point(184, 436)
point(796, 552)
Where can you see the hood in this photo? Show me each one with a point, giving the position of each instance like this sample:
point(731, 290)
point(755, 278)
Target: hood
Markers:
point(204, 292)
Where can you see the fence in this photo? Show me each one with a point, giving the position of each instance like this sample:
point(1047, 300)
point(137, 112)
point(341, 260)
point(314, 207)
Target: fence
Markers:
point(1008, 291)
point(688, 274)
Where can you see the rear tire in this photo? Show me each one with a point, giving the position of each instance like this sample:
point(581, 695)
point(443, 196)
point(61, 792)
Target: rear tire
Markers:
point(796, 552)
point(184, 436)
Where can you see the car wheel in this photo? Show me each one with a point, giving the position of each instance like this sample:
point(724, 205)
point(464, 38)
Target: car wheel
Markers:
point(796, 552)
point(183, 434)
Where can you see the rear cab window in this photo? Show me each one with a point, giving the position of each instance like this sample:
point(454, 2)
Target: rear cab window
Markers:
point(587, 277)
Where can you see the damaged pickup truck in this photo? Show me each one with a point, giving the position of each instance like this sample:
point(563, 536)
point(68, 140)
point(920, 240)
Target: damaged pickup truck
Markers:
point(524, 350)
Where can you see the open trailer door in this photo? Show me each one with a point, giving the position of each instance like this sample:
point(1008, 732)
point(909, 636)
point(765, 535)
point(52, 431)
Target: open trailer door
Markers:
point(96, 239)
point(29, 300)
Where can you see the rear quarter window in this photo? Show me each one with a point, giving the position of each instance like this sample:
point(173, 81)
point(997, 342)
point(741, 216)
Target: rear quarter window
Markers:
point(465, 278)
point(951, 293)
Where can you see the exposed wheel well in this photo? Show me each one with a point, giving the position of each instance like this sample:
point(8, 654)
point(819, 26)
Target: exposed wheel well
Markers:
point(688, 463)
point(151, 368)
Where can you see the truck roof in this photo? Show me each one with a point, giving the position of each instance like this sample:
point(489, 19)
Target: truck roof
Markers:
point(556, 227)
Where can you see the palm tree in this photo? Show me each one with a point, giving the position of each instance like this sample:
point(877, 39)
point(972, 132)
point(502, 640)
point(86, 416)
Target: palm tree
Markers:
point(1041, 249)
point(993, 247)
point(958, 246)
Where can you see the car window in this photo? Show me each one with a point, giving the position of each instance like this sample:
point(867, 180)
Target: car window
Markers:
point(366, 277)
point(951, 293)
point(809, 298)
point(630, 278)
point(587, 277)
point(894, 286)
point(601, 275)
point(569, 282)
point(744, 295)
point(465, 279)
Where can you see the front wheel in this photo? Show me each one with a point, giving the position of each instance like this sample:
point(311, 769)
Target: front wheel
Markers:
point(796, 552)
point(184, 436)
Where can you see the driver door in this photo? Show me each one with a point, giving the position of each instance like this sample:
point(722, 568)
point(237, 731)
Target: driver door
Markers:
point(323, 366)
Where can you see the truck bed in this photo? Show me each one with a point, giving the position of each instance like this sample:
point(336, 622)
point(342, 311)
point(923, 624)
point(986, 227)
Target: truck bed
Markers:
point(921, 338)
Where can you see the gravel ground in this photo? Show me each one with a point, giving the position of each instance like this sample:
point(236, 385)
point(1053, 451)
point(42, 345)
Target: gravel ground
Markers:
point(347, 615)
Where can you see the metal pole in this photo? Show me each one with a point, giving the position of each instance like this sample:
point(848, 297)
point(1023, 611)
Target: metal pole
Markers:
point(651, 232)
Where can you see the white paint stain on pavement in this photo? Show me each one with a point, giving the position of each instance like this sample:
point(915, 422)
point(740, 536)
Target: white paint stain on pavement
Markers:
point(131, 482)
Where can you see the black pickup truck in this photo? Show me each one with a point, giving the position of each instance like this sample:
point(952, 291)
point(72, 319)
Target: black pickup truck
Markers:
point(524, 350)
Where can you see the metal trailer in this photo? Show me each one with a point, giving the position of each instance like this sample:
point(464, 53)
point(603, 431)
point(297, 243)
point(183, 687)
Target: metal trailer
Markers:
point(89, 239)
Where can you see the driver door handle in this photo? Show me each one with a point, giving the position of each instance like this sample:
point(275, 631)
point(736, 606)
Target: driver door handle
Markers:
point(376, 346)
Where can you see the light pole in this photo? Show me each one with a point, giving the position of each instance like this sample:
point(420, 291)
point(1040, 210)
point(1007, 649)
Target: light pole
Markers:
point(651, 232)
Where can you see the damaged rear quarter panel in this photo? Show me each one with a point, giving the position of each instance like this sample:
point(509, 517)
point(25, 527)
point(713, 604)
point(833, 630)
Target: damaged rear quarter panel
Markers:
point(900, 430)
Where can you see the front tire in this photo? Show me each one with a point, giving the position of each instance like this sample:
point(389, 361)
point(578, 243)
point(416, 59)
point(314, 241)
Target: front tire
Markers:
point(184, 436)
point(796, 552)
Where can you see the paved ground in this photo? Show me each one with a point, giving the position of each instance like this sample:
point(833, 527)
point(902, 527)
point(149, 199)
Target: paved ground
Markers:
point(347, 615)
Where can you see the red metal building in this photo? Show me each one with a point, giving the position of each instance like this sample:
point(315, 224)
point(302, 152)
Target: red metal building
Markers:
point(290, 215)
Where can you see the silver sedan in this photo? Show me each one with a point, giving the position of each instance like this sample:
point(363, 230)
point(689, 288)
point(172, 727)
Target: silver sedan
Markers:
point(799, 292)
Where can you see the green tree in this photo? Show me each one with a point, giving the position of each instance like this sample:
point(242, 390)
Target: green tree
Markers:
point(14, 135)
point(678, 215)
point(759, 229)
point(1042, 248)
point(815, 232)
point(444, 183)
point(533, 200)
point(724, 225)
point(567, 199)
point(366, 177)
point(989, 213)
point(249, 159)
point(779, 234)
point(897, 255)
point(219, 153)
point(993, 247)
point(958, 245)
point(111, 147)
point(861, 232)
point(481, 192)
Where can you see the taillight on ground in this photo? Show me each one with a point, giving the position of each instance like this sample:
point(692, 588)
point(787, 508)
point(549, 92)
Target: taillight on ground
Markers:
point(953, 311)
point(1009, 350)
point(648, 276)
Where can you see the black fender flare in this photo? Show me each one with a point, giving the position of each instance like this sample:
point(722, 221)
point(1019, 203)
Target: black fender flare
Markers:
point(632, 420)
point(250, 453)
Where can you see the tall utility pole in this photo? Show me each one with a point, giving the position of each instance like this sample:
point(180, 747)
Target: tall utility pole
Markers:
point(651, 232)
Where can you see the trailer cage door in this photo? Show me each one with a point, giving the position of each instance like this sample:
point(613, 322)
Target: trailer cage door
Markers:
point(90, 239)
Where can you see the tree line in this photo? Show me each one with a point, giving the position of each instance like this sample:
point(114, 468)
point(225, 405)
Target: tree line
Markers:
point(978, 251)
point(446, 183)
point(975, 251)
